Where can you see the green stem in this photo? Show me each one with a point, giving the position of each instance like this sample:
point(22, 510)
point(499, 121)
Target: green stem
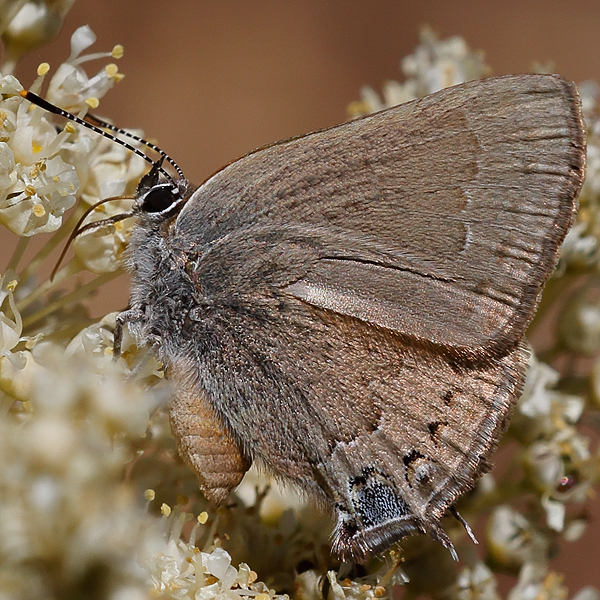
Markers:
point(72, 268)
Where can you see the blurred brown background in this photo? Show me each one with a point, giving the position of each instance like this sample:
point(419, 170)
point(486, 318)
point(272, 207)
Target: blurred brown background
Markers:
point(212, 80)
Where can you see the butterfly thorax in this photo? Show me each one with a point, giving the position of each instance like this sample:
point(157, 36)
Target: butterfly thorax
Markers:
point(160, 287)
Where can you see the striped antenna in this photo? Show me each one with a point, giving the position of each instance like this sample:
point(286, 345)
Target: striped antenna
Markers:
point(137, 138)
point(98, 126)
point(37, 100)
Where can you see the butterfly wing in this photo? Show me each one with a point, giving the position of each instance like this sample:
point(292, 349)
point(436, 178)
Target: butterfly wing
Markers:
point(362, 292)
point(459, 200)
point(388, 435)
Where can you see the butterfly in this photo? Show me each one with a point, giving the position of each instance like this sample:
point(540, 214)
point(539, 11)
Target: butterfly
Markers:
point(347, 308)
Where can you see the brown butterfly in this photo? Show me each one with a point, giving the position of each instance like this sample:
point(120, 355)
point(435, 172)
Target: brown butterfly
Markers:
point(347, 308)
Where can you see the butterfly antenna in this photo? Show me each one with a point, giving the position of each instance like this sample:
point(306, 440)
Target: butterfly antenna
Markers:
point(51, 108)
point(78, 229)
point(100, 123)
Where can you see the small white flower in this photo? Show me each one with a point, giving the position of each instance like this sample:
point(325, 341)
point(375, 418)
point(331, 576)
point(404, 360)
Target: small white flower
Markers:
point(101, 250)
point(27, 25)
point(535, 399)
point(434, 65)
point(43, 171)
point(587, 593)
point(536, 581)
point(512, 540)
point(555, 513)
point(70, 87)
point(36, 201)
point(437, 64)
point(218, 563)
point(579, 326)
point(579, 249)
point(11, 328)
point(477, 582)
point(542, 410)
point(543, 459)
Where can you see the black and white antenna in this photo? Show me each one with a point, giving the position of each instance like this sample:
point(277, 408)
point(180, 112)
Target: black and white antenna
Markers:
point(99, 127)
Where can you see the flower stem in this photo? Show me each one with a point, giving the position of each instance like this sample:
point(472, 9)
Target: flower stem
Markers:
point(54, 241)
point(72, 268)
point(18, 253)
point(67, 299)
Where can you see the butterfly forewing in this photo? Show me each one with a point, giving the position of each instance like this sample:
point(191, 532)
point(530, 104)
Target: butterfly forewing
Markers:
point(439, 219)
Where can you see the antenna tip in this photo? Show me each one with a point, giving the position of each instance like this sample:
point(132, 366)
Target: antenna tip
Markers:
point(24, 93)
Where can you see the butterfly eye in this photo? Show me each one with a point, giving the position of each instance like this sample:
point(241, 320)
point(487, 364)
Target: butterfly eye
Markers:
point(160, 197)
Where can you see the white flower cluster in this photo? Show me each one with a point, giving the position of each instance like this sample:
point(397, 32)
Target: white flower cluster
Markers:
point(13, 361)
point(184, 572)
point(581, 248)
point(557, 464)
point(67, 516)
point(435, 64)
point(36, 185)
point(43, 170)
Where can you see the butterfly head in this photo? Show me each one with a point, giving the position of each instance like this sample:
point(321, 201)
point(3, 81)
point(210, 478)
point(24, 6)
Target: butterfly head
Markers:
point(159, 194)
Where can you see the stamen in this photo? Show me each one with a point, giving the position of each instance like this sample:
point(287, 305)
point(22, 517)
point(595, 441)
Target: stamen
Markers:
point(93, 102)
point(111, 70)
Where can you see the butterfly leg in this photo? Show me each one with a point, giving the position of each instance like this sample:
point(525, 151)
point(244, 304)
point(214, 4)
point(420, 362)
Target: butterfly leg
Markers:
point(130, 315)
